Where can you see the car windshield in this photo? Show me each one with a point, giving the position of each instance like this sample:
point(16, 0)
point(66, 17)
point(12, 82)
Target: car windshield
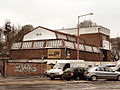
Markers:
point(92, 69)
point(59, 66)
point(69, 69)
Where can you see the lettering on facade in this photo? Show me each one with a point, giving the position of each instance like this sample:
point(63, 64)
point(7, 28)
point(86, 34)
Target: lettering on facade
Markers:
point(54, 53)
point(24, 68)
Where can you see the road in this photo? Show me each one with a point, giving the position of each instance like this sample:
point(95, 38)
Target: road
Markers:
point(24, 84)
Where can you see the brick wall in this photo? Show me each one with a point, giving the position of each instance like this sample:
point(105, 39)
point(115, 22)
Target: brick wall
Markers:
point(88, 56)
point(36, 54)
point(31, 54)
point(91, 39)
point(23, 69)
point(94, 39)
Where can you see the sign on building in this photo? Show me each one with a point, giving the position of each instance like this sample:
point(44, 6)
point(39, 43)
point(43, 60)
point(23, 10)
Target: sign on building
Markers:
point(54, 53)
point(106, 45)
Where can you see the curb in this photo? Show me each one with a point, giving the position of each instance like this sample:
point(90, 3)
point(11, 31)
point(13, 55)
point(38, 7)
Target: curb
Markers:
point(75, 82)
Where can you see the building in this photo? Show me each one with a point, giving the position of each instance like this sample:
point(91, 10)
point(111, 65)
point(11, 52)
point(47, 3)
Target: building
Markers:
point(43, 44)
point(97, 36)
point(49, 42)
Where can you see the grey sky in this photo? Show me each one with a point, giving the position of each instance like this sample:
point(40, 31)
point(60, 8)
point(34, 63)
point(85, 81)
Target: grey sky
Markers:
point(55, 14)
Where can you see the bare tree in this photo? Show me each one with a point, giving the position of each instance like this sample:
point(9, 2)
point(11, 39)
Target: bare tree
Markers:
point(7, 35)
point(12, 34)
point(25, 29)
point(115, 51)
point(87, 23)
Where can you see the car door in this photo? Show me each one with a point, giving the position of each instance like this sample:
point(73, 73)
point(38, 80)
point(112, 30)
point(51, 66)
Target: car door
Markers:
point(110, 74)
point(100, 72)
point(81, 72)
point(76, 72)
point(106, 73)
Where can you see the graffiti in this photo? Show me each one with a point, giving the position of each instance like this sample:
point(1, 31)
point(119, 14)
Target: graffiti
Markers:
point(24, 68)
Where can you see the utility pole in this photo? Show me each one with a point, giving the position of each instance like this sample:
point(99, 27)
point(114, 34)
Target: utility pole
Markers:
point(78, 33)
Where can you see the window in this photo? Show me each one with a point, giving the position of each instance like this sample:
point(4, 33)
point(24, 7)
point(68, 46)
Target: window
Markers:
point(61, 36)
point(101, 69)
point(16, 45)
point(26, 45)
point(108, 69)
point(76, 70)
point(71, 38)
point(88, 48)
point(97, 69)
point(55, 43)
point(81, 47)
point(69, 44)
point(96, 50)
point(38, 44)
point(67, 65)
point(81, 69)
point(104, 37)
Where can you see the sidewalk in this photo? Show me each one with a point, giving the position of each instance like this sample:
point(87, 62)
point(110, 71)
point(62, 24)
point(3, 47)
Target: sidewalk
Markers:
point(14, 78)
point(10, 80)
point(29, 80)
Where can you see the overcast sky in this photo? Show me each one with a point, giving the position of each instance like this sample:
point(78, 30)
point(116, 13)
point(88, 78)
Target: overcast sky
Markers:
point(56, 14)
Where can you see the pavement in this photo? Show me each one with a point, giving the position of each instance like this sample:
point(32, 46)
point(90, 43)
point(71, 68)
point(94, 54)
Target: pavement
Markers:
point(35, 80)
point(29, 80)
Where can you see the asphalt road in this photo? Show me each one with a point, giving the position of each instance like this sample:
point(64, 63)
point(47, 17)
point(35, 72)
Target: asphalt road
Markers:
point(24, 84)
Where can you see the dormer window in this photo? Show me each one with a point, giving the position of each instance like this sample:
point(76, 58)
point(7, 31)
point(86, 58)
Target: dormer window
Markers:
point(38, 34)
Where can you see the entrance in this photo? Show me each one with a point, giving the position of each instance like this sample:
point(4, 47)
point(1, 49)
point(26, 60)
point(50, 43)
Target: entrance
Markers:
point(104, 55)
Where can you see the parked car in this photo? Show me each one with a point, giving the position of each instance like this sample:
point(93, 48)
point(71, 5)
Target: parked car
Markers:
point(95, 73)
point(74, 73)
point(59, 68)
point(112, 66)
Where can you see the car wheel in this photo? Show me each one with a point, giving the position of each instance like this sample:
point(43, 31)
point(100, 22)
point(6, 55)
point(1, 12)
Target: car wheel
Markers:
point(89, 79)
point(68, 79)
point(94, 78)
point(62, 77)
point(118, 78)
point(52, 78)
point(77, 78)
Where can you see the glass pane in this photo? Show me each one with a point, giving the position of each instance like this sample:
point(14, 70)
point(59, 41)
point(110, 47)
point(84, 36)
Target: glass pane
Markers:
point(54, 43)
point(88, 48)
point(81, 47)
point(71, 38)
point(61, 36)
point(16, 45)
point(95, 49)
point(69, 44)
point(27, 45)
point(38, 44)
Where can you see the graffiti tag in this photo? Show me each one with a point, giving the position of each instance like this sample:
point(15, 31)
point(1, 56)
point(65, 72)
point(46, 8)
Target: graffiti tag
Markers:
point(24, 68)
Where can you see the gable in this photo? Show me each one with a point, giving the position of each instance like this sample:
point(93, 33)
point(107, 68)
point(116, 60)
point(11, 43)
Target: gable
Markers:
point(39, 34)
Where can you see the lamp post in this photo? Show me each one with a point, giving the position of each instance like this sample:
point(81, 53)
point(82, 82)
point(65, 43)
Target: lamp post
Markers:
point(78, 34)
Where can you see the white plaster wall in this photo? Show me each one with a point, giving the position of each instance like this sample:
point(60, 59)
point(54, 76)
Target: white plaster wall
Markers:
point(104, 31)
point(87, 30)
point(68, 31)
point(39, 34)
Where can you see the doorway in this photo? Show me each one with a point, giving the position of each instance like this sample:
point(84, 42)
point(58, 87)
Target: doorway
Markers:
point(105, 55)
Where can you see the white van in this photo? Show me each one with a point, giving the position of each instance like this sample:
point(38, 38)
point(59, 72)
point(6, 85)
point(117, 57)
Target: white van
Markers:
point(61, 66)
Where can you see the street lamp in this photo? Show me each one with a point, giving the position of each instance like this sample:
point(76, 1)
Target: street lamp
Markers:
point(78, 34)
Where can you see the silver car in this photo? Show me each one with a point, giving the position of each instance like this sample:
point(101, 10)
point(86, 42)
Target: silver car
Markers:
point(95, 73)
